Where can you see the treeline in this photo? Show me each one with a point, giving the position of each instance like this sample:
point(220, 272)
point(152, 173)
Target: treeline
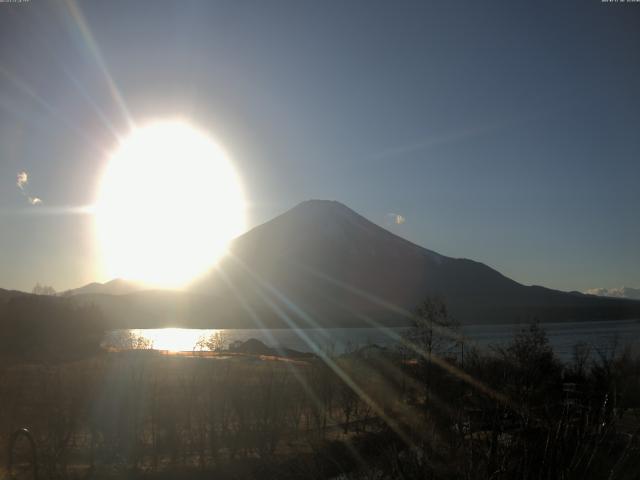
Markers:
point(47, 328)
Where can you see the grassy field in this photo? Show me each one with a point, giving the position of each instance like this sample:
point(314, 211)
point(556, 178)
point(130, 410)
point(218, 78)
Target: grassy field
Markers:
point(372, 413)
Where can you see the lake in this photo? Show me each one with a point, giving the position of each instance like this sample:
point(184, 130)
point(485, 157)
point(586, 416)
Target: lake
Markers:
point(602, 335)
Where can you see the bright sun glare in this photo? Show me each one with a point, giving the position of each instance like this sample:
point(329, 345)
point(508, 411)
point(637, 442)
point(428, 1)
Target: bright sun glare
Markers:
point(174, 339)
point(168, 205)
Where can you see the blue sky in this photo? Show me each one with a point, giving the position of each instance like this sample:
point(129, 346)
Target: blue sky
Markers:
point(505, 132)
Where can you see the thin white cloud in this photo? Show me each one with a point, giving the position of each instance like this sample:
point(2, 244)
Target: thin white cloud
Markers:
point(22, 182)
point(22, 179)
point(395, 219)
point(453, 136)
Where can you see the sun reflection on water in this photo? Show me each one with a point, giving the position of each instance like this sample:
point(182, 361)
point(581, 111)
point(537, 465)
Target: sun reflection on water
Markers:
point(176, 339)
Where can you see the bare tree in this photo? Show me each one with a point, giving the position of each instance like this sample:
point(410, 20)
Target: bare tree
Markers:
point(39, 289)
point(215, 342)
point(433, 332)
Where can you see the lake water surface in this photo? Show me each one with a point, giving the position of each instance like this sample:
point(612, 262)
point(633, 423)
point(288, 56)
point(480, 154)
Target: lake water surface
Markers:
point(602, 335)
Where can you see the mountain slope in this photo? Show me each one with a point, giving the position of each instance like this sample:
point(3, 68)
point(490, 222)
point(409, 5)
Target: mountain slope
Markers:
point(322, 263)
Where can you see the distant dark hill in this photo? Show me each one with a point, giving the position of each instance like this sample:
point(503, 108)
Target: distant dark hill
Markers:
point(116, 286)
point(6, 295)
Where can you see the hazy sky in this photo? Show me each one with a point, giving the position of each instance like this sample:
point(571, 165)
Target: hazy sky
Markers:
point(504, 132)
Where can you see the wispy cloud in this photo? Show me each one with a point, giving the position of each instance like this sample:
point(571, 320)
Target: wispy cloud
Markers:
point(450, 137)
point(22, 179)
point(22, 182)
point(395, 218)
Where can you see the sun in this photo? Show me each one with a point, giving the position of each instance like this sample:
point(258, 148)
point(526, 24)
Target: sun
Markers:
point(168, 205)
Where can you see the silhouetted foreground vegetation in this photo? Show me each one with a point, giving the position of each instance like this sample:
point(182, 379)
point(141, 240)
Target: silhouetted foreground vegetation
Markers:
point(46, 328)
point(427, 410)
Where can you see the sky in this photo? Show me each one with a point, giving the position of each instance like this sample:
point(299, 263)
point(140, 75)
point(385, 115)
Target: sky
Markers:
point(501, 131)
